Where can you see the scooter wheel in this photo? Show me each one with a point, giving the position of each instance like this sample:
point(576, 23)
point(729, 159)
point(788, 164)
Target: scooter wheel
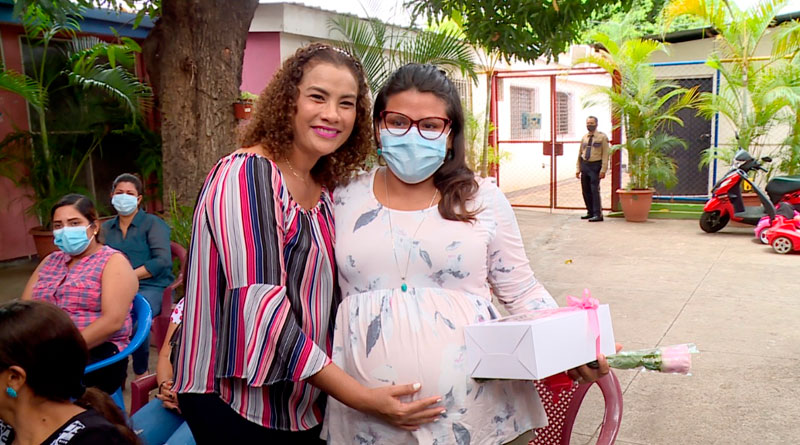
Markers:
point(712, 222)
point(782, 244)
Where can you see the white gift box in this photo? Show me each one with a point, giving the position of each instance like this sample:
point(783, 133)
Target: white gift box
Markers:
point(536, 345)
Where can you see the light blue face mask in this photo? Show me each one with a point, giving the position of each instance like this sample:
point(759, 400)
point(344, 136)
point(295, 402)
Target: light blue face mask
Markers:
point(411, 157)
point(72, 240)
point(124, 203)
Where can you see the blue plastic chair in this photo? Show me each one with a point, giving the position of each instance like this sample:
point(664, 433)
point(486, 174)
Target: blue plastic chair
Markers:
point(144, 315)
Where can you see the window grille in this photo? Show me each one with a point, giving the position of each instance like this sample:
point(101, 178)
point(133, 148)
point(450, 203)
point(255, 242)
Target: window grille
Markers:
point(525, 122)
point(563, 113)
point(464, 87)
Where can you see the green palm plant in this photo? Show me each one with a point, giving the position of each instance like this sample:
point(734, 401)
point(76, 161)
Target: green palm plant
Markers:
point(758, 93)
point(23, 86)
point(382, 48)
point(786, 45)
point(96, 91)
point(646, 105)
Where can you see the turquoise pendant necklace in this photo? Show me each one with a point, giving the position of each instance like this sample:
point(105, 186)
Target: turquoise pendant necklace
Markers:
point(403, 273)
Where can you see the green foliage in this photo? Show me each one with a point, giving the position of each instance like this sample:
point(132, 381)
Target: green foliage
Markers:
point(382, 48)
point(180, 221)
point(23, 86)
point(61, 11)
point(647, 107)
point(95, 92)
point(643, 18)
point(521, 29)
point(790, 152)
point(758, 93)
point(478, 152)
point(88, 70)
point(246, 96)
point(473, 138)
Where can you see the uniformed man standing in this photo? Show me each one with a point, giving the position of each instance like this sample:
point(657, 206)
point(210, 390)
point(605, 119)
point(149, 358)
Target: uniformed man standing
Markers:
point(591, 168)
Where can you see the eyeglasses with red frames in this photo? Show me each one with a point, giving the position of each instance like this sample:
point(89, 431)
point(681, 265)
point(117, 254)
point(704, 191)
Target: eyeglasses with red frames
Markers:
point(430, 128)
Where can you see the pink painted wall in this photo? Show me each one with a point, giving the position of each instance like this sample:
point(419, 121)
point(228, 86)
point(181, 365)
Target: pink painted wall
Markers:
point(15, 242)
point(262, 57)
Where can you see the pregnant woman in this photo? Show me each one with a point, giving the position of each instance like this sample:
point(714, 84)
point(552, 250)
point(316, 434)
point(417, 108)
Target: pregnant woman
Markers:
point(421, 247)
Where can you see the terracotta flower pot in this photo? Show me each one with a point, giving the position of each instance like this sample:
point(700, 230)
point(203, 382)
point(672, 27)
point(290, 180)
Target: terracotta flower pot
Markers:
point(43, 240)
point(242, 110)
point(635, 204)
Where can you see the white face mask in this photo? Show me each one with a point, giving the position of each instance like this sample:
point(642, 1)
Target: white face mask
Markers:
point(72, 240)
point(125, 204)
point(411, 157)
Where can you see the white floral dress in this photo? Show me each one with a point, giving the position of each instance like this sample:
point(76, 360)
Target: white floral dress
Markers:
point(384, 335)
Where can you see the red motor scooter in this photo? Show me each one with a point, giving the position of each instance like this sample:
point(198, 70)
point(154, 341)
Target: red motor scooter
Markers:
point(726, 202)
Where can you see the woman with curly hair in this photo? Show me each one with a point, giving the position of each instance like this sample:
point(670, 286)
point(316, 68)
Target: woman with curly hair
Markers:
point(261, 294)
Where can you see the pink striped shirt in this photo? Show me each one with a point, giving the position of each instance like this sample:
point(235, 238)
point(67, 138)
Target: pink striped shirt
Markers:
point(78, 289)
point(260, 296)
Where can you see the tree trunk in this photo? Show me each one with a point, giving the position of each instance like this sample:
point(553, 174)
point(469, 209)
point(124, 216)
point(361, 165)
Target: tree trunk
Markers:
point(194, 59)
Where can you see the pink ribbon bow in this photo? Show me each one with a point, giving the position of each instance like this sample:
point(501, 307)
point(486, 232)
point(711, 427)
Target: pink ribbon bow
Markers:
point(590, 304)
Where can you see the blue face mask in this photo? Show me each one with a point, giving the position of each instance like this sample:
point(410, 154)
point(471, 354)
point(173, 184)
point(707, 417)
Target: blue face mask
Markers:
point(411, 157)
point(72, 240)
point(125, 204)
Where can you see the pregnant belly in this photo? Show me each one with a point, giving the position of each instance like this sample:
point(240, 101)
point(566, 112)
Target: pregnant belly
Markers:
point(392, 337)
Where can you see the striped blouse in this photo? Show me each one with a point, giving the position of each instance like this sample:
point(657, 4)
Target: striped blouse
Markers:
point(260, 296)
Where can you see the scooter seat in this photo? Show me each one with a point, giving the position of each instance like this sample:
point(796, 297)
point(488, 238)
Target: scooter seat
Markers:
point(781, 185)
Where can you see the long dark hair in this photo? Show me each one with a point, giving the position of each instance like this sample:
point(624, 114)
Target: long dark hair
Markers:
point(272, 125)
point(41, 339)
point(454, 179)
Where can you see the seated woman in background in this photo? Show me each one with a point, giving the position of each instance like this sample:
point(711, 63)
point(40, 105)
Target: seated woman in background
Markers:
point(160, 422)
point(42, 358)
point(144, 239)
point(93, 283)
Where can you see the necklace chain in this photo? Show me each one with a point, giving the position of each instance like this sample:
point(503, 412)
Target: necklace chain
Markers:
point(403, 274)
point(289, 163)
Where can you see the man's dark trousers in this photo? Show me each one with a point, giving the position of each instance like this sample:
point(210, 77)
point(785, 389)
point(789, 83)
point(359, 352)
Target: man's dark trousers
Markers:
point(590, 185)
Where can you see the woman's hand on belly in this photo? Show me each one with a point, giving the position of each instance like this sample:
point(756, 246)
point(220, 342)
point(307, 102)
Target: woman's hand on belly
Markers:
point(383, 402)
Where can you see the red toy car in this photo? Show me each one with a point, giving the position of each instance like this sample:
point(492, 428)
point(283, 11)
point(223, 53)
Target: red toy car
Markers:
point(787, 212)
point(784, 235)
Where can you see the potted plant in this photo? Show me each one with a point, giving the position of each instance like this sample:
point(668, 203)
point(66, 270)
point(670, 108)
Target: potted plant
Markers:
point(243, 106)
point(78, 91)
point(646, 107)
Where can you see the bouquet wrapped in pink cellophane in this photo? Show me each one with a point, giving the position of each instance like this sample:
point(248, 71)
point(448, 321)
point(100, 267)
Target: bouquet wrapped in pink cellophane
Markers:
point(676, 359)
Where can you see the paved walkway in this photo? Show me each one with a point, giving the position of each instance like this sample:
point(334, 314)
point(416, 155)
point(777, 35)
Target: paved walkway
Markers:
point(568, 194)
point(667, 282)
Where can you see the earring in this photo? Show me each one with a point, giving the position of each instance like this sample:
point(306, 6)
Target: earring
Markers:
point(380, 152)
point(11, 392)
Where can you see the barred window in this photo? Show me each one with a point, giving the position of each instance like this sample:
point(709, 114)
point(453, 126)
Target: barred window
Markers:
point(563, 112)
point(525, 122)
point(464, 87)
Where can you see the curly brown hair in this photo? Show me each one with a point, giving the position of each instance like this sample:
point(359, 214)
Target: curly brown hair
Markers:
point(271, 125)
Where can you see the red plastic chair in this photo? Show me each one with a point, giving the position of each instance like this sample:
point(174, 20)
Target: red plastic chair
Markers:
point(161, 322)
point(561, 413)
point(140, 391)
